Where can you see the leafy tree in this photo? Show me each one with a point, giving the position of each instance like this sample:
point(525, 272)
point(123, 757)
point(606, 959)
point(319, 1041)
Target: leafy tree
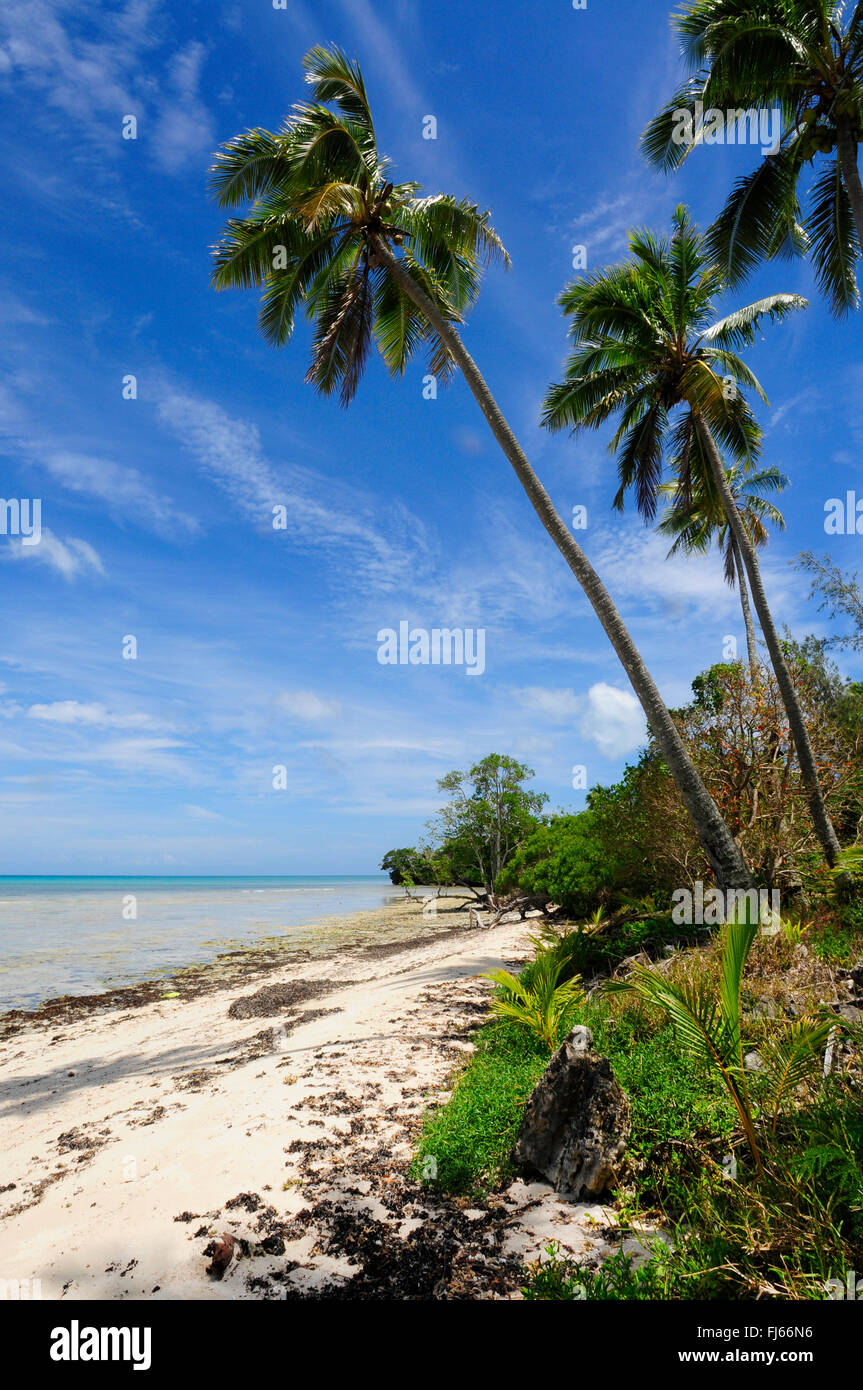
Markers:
point(840, 595)
point(642, 830)
point(490, 813)
point(804, 57)
point(406, 864)
point(739, 735)
point(647, 344)
point(451, 863)
point(455, 863)
point(326, 229)
point(564, 860)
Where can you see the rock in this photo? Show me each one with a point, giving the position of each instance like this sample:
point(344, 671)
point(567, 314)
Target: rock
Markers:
point(852, 1013)
point(576, 1121)
point(221, 1252)
point(752, 1061)
point(854, 974)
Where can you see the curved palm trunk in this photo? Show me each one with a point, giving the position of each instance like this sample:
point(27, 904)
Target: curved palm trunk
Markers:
point(719, 844)
point(847, 151)
point(805, 757)
point(743, 589)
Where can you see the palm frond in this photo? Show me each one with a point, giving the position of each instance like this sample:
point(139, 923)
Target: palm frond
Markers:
point(835, 244)
point(794, 1056)
point(760, 219)
point(335, 78)
point(740, 328)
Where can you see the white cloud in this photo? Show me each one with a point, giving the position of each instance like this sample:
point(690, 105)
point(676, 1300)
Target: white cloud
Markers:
point(71, 558)
point(95, 78)
point(307, 706)
point(183, 129)
point(633, 562)
point(122, 487)
point(230, 451)
point(151, 756)
point(557, 706)
point(614, 720)
point(74, 712)
point(14, 310)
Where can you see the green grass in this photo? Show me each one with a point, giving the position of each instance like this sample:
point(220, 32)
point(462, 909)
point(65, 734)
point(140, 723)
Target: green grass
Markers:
point(470, 1137)
point(557, 1279)
point(672, 1100)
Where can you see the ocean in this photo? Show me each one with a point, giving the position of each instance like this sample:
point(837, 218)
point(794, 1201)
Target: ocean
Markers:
point(84, 935)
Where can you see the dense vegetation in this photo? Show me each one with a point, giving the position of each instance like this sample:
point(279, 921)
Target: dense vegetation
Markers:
point(634, 839)
point(751, 1177)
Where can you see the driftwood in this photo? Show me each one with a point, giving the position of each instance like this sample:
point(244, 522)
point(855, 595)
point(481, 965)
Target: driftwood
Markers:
point(468, 894)
point(498, 910)
point(517, 909)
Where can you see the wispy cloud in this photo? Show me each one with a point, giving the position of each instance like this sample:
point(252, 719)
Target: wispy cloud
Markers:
point(183, 129)
point(308, 707)
point(555, 706)
point(76, 712)
point(95, 75)
point(127, 494)
point(71, 557)
point(229, 451)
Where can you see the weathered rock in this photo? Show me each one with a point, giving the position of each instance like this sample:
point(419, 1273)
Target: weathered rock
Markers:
point(576, 1121)
point(854, 974)
point(852, 1013)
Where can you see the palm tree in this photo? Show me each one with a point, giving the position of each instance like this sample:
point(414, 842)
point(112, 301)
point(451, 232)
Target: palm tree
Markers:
point(696, 521)
point(805, 59)
point(371, 261)
point(646, 343)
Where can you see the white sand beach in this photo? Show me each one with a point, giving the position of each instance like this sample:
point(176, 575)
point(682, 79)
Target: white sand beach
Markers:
point(134, 1139)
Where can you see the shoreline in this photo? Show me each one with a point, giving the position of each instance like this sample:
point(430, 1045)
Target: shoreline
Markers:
point(231, 967)
point(275, 1116)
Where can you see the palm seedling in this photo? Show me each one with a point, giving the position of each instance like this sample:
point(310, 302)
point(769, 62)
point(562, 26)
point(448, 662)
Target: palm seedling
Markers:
point(542, 1006)
point(707, 1024)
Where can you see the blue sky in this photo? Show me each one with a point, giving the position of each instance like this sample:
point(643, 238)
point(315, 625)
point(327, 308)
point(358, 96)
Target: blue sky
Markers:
point(257, 647)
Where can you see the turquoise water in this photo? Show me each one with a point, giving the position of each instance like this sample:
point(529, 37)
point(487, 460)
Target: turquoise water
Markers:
point(69, 935)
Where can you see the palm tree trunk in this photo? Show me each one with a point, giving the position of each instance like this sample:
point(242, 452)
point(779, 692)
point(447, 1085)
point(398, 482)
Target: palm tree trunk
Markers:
point(847, 151)
point(805, 757)
point(719, 844)
point(751, 645)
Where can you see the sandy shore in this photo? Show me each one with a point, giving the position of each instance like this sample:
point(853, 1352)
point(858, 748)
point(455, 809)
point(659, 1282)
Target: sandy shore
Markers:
point(271, 1117)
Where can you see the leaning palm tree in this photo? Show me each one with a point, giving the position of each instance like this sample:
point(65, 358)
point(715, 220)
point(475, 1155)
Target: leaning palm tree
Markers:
point(696, 521)
point(646, 344)
point(803, 58)
point(371, 262)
